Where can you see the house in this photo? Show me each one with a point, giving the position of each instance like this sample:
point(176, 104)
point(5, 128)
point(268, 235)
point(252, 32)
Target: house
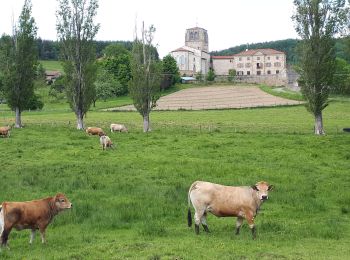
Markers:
point(267, 66)
point(51, 76)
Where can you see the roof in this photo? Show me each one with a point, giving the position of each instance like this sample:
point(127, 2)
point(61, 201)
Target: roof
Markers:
point(263, 51)
point(223, 57)
point(196, 28)
point(181, 49)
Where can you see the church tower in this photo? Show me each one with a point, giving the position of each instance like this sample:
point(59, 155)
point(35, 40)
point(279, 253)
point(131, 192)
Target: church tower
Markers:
point(197, 38)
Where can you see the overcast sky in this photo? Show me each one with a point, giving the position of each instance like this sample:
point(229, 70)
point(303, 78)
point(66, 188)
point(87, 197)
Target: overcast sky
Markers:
point(228, 22)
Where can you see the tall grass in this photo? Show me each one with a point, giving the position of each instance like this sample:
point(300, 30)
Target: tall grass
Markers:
point(131, 202)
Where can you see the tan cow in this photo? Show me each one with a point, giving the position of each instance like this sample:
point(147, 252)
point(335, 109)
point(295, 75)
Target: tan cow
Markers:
point(118, 127)
point(5, 131)
point(105, 142)
point(35, 214)
point(94, 131)
point(226, 201)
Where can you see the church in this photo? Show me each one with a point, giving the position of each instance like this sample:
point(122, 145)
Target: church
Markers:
point(194, 57)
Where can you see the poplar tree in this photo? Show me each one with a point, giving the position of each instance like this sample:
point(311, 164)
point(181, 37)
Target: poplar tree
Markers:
point(317, 22)
point(18, 63)
point(144, 87)
point(76, 31)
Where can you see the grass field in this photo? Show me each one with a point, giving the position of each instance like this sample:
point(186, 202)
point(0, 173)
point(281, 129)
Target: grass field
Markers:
point(131, 202)
point(52, 65)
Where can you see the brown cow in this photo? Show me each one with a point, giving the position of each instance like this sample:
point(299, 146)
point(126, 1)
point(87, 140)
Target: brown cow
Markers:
point(5, 131)
point(94, 131)
point(226, 201)
point(35, 214)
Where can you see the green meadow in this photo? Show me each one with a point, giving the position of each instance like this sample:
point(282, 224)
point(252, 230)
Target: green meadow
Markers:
point(131, 202)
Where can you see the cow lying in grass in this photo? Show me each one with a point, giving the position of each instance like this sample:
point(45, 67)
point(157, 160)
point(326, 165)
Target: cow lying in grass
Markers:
point(5, 131)
point(94, 131)
point(105, 142)
point(118, 127)
point(226, 201)
point(35, 214)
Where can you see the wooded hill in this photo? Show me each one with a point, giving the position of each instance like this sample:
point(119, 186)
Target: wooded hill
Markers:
point(288, 46)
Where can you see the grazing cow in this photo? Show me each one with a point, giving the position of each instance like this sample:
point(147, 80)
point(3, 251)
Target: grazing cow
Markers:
point(35, 214)
point(118, 127)
point(226, 201)
point(105, 142)
point(5, 131)
point(94, 131)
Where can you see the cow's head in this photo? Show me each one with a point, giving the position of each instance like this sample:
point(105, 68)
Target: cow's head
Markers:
point(262, 189)
point(62, 202)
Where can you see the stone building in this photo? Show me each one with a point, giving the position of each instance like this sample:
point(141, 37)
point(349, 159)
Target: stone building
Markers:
point(194, 57)
point(255, 66)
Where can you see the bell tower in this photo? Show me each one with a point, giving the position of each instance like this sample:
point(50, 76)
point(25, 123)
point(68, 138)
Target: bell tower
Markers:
point(197, 38)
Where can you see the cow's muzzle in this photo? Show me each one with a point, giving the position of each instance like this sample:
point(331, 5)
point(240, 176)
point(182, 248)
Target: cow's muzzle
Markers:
point(264, 197)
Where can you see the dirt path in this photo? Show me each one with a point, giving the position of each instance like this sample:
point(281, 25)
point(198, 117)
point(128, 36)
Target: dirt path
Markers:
point(216, 98)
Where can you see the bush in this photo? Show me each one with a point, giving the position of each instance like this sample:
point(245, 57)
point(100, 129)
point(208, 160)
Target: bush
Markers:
point(35, 103)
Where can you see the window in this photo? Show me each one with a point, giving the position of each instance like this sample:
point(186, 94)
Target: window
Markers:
point(258, 58)
point(194, 59)
point(247, 65)
point(248, 72)
point(277, 64)
point(240, 65)
point(239, 73)
point(277, 72)
point(248, 58)
point(258, 72)
point(269, 72)
point(231, 61)
point(259, 65)
point(240, 59)
point(268, 58)
point(268, 64)
point(277, 57)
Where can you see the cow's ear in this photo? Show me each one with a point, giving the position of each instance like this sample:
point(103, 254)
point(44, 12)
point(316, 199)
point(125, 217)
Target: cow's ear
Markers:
point(254, 187)
point(271, 187)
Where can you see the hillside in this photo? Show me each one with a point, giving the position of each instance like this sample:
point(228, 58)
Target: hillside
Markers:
point(288, 46)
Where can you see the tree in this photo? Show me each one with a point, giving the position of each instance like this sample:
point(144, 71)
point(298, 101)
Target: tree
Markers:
point(316, 22)
point(106, 85)
point(171, 74)
point(231, 75)
point(211, 75)
point(117, 62)
point(19, 62)
point(76, 31)
point(146, 73)
point(341, 82)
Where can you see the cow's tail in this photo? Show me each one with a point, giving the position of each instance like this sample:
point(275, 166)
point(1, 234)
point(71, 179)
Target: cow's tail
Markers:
point(189, 216)
point(2, 220)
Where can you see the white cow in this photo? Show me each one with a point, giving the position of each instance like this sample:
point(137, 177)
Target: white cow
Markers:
point(118, 127)
point(226, 201)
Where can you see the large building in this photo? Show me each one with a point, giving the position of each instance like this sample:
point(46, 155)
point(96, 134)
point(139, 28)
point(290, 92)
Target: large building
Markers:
point(255, 66)
point(194, 57)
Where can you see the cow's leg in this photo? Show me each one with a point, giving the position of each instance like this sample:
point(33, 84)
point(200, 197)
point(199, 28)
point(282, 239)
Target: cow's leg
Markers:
point(250, 219)
point(238, 224)
point(5, 235)
point(32, 236)
point(204, 222)
point(42, 234)
point(197, 219)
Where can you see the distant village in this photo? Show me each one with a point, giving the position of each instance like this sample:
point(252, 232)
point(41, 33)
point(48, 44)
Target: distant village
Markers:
point(252, 65)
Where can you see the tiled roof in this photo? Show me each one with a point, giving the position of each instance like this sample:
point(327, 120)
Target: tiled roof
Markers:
point(263, 51)
point(181, 49)
point(223, 57)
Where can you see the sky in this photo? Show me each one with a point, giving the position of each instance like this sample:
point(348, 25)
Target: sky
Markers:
point(229, 22)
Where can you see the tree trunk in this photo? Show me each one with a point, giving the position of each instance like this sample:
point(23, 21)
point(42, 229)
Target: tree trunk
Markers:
point(80, 120)
point(146, 127)
point(319, 124)
point(18, 123)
